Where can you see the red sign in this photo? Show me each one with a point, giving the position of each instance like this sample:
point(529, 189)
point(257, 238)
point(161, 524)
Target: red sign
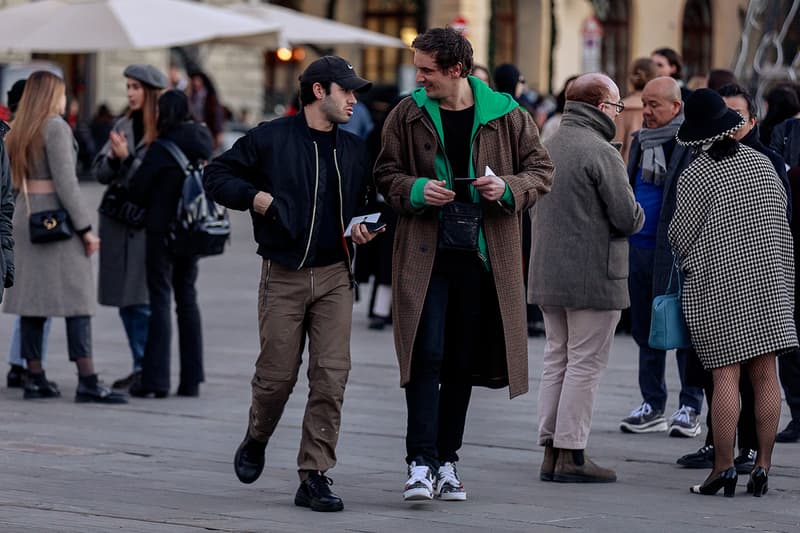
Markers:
point(460, 24)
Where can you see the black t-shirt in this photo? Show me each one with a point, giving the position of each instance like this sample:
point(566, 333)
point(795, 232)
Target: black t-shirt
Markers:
point(457, 128)
point(329, 248)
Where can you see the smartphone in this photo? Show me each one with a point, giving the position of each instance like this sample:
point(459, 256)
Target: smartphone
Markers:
point(467, 179)
point(373, 227)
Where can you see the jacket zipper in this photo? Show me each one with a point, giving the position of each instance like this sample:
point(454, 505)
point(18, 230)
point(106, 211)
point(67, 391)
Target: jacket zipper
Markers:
point(314, 210)
point(353, 283)
point(472, 151)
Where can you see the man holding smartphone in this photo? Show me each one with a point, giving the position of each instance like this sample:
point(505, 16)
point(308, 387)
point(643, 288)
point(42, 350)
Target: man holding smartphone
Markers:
point(302, 178)
point(458, 297)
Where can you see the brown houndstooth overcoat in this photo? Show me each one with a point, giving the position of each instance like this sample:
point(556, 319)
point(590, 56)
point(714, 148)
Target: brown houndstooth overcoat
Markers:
point(510, 147)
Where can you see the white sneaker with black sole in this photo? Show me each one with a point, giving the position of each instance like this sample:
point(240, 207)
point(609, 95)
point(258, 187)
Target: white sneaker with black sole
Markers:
point(644, 419)
point(448, 486)
point(419, 486)
point(684, 423)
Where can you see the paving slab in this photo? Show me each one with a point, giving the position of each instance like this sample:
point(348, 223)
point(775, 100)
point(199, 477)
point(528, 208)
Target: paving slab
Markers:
point(166, 465)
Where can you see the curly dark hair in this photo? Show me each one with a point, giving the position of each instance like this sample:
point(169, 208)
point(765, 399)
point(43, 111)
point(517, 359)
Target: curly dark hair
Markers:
point(449, 48)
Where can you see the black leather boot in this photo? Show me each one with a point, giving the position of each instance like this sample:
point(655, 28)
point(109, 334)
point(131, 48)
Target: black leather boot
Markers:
point(15, 379)
point(91, 390)
point(37, 386)
point(248, 462)
point(315, 492)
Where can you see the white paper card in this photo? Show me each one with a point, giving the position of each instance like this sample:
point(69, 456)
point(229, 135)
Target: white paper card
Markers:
point(489, 172)
point(372, 217)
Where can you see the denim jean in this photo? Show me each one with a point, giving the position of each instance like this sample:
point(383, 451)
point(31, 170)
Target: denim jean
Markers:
point(15, 346)
point(135, 319)
point(652, 363)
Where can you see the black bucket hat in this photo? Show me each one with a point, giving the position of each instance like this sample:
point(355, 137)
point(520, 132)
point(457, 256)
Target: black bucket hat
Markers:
point(707, 119)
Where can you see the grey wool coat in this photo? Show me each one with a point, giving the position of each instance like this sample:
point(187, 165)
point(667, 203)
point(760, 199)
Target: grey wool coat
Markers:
point(735, 247)
point(510, 146)
point(579, 238)
point(52, 279)
point(123, 279)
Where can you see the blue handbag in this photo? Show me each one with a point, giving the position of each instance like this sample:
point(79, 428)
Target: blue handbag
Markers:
point(668, 330)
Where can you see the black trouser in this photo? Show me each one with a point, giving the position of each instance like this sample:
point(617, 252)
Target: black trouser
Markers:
point(79, 337)
point(165, 274)
point(449, 332)
point(789, 366)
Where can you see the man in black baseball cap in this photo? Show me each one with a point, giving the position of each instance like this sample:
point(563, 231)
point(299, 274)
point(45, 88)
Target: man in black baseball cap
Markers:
point(303, 179)
point(336, 69)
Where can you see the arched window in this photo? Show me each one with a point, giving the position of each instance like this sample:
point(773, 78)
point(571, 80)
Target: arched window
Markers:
point(696, 38)
point(392, 17)
point(614, 18)
point(503, 38)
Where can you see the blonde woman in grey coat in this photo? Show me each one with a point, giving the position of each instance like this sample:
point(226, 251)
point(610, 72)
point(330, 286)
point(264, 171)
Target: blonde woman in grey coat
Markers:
point(123, 282)
point(54, 278)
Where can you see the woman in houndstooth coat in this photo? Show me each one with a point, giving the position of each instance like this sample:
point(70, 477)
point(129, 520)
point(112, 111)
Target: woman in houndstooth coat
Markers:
point(731, 235)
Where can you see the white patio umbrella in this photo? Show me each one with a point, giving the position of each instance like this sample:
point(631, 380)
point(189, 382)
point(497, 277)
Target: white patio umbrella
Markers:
point(76, 26)
point(299, 28)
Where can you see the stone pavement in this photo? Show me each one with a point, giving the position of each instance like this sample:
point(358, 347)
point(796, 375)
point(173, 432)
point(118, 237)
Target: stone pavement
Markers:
point(166, 465)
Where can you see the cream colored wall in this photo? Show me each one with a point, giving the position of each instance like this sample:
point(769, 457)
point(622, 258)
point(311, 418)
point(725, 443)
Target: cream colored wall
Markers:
point(568, 51)
point(533, 41)
point(727, 32)
point(110, 83)
point(655, 24)
point(476, 13)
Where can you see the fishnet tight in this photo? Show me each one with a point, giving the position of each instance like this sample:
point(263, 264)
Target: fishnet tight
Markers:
point(725, 409)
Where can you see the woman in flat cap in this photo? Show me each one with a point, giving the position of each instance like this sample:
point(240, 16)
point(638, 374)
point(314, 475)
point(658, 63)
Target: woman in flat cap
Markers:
point(732, 238)
point(123, 282)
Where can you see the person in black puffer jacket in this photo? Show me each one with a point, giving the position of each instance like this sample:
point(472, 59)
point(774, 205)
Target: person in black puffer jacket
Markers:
point(157, 186)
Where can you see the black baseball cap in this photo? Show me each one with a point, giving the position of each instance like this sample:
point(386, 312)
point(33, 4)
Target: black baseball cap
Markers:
point(334, 68)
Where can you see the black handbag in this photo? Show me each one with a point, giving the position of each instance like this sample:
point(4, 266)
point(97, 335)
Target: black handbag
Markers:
point(116, 204)
point(460, 226)
point(47, 226)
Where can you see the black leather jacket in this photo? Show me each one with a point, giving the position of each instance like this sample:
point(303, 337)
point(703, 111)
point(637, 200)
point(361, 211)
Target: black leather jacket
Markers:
point(6, 214)
point(280, 157)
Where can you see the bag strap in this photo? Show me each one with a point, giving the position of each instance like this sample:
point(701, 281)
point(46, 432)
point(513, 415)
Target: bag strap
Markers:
point(176, 153)
point(25, 193)
point(674, 270)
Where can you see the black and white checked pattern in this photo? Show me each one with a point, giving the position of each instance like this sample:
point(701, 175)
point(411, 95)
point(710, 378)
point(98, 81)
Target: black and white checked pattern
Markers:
point(731, 233)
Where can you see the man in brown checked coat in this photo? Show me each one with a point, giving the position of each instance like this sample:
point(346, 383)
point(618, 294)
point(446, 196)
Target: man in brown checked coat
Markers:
point(459, 164)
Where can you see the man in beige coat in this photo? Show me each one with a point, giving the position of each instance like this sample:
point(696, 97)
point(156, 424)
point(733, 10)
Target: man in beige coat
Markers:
point(456, 155)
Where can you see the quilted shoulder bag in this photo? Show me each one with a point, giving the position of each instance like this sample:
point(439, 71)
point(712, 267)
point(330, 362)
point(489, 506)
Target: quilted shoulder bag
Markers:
point(668, 330)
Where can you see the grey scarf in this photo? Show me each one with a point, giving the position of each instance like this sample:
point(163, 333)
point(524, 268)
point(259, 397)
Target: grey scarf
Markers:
point(654, 162)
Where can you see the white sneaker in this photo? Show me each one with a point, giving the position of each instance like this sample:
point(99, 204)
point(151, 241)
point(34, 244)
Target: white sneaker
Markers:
point(419, 486)
point(684, 423)
point(448, 485)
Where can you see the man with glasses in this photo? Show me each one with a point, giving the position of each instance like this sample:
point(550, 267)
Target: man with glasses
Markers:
point(654, 165)
point(578, 273)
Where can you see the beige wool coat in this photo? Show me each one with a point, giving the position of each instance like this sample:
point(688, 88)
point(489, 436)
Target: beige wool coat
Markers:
point(510, 146)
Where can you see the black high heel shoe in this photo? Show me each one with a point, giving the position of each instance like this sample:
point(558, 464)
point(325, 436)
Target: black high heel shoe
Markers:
point(759, 482)
point(724, 480)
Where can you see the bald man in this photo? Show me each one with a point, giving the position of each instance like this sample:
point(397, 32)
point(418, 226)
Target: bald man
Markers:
point(578, 273)
point(654, 165)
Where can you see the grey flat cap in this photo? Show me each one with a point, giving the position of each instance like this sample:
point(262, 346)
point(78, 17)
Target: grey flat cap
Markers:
point(147, 74)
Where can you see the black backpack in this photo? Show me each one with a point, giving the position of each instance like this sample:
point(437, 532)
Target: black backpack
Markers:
point(200, 227)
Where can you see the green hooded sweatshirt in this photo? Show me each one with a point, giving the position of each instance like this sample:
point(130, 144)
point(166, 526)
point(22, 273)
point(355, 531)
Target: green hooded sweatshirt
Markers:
point(489, 105)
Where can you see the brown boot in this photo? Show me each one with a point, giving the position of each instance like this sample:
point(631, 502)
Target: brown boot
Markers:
point(549, 461)
point(572, 466)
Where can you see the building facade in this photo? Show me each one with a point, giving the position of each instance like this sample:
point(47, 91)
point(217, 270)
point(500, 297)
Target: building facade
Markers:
point(548, 40)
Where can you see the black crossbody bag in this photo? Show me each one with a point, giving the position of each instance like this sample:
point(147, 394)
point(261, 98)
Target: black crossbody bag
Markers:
point(460, 226)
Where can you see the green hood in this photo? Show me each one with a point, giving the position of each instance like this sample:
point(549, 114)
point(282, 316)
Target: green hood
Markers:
point(489, 105)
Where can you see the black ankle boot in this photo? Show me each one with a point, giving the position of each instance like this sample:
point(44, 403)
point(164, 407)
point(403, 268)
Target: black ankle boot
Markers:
point(37, 386)
point(248, 463)
point(90, 389)
point(315, 492)
point(15, 379)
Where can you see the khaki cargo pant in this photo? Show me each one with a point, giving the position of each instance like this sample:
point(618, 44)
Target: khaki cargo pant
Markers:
point(292, 304)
